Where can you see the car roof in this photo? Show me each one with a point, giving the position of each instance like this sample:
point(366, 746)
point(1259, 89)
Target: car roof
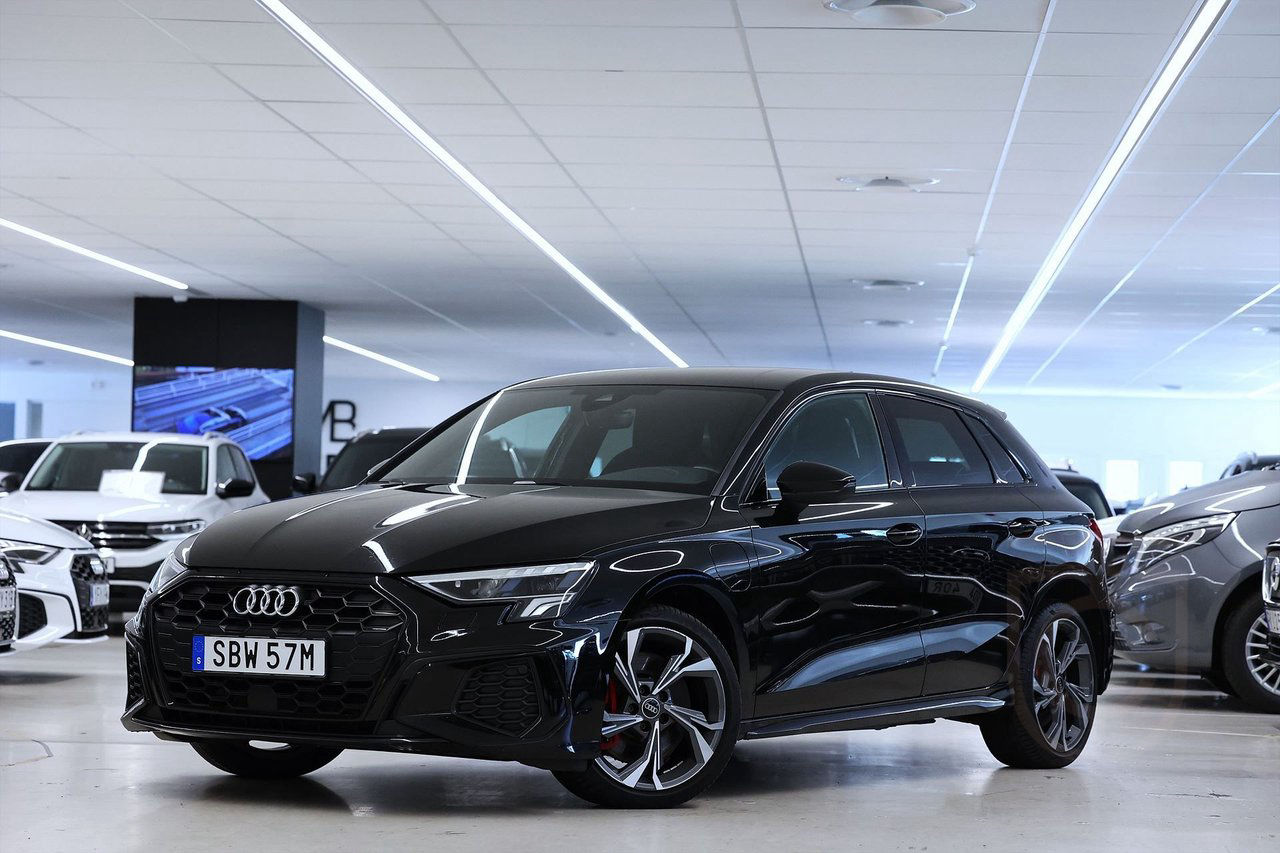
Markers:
point(10, 441)
point(166, 437)
point(794, 380)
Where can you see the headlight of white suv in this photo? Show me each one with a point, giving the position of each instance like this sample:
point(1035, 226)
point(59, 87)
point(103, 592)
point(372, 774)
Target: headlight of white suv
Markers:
point(1271, 579)
point(1164, 542)
point(176, 528)
point(540, 592)
point(27, 552)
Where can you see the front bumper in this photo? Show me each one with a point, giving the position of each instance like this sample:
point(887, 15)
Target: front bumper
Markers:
point(407, 672)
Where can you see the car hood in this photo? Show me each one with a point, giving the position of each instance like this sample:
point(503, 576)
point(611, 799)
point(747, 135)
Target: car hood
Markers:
point(92, 506)
point(23, 528)
point(1252, 490)
point(422, 529)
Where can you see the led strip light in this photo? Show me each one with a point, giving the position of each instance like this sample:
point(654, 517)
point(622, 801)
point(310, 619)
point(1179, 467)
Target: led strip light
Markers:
point(1193, 40)
point(43, 342)
point(96, 256)
point(344, 68)
point(379, 357)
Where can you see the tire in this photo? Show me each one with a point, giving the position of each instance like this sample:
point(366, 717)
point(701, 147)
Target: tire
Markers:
point(1243, 639)
point(1048, 722)
point(646, 701)
point(242, 758)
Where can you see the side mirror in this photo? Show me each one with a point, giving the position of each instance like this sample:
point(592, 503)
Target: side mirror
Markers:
point(805, 483)
point(304, 484)
point(10, 482)
point(235, 488)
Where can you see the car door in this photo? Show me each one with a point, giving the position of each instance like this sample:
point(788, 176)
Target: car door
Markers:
point(836, 598)
point(981, 544)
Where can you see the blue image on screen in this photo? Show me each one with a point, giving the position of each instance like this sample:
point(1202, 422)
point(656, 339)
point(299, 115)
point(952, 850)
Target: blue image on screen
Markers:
point(253, 406)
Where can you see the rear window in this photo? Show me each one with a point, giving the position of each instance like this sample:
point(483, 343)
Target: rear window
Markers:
point(938, 448)
point(1092, 495)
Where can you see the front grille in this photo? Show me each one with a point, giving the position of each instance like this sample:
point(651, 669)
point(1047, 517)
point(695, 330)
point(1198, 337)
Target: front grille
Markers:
point(31, 615)
point(360, 627)
point(8, 618)
point(120, 535)
point(133, 677)
point(502, 696)
point(91, 618)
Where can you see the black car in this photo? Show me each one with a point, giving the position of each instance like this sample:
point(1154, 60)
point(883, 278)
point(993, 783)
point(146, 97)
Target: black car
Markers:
point(351, 466)
point(1249, 461)
point(16, 458)
point(1086, 489)
point(617, 575)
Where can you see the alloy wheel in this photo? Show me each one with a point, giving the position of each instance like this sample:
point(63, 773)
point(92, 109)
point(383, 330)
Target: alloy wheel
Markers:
point(664, 710)
point(1255, 646)
point(1062, 684)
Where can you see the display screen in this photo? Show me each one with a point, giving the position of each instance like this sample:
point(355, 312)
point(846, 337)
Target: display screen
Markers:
point(253, 406)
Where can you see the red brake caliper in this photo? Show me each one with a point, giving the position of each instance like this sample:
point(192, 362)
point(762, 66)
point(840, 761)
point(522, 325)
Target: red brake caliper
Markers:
point(612, 705)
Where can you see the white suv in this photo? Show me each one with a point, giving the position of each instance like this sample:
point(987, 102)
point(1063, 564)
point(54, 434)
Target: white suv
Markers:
point(61, 583)
point(136, 495)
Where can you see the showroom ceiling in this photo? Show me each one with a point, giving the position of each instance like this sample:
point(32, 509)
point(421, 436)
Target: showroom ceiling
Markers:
point(685, 154)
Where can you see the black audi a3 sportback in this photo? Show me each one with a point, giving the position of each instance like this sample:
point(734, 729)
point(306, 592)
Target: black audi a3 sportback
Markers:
point(618, 575)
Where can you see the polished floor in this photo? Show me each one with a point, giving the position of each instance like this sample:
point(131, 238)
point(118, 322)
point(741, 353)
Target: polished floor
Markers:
point(1170, 767)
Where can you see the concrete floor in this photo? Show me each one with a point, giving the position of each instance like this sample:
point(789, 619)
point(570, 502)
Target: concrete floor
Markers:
point(1170, 767)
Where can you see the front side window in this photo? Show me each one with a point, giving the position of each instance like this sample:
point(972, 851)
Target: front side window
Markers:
point(244, 470)
point(226, 468)
point(938, 448)
point(88, 466)
point(678, 438)
point(837, 430)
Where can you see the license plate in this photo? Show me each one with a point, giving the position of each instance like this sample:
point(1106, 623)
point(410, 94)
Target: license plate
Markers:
point(1273, 621)
point(259, 656)
point(8, 599)
point(99, 594)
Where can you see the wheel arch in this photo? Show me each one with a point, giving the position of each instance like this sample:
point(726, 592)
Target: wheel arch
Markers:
point(1090, 603)
point(1250, 581)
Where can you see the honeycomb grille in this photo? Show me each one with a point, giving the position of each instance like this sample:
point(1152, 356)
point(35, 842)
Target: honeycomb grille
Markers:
point(8, 618)
point(91, 618)
point(501, 696)
point(360, 627)
point(133, 677)
point(31, 615)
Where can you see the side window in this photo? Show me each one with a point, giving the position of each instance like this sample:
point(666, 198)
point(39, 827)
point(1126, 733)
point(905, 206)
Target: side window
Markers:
point(243, 469)
point(837, 430)
point(1006, 470)
point(938, 449)
point(226, 468)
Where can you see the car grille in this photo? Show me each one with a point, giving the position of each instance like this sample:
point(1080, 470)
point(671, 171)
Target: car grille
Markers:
point(501, 696)
point(120, 535)
point(8, 619)
point(31, 615)
point(91, 618)
point(360, 627)
point(133, 677)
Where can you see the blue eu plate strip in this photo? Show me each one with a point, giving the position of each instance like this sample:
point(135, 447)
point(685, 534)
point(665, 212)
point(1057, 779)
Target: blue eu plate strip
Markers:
point(197, 653)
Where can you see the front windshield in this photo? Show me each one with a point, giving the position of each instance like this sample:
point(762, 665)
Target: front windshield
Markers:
point(676, 438)
point(91, 466)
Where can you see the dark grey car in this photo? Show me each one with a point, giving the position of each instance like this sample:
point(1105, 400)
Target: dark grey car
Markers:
point(1186, 582)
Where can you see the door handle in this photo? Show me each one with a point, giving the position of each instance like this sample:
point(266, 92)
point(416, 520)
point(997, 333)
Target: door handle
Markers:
point(904, 534)
point(1022, 527)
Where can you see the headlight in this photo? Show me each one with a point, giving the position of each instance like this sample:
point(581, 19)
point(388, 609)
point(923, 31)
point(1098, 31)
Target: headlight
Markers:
point(176, 528)
point(27, 552)
point(1164, 542)
point(170, 569)
point(1271, 579)
point(539, 591)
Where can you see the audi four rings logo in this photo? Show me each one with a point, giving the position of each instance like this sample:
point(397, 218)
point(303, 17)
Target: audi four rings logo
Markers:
point(266, 600)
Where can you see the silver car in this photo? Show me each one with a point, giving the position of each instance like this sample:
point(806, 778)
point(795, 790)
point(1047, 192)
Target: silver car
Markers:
point(1186, 582)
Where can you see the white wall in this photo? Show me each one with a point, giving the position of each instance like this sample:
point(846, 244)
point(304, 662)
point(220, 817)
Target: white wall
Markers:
point(90, 399)
point(1151, 431)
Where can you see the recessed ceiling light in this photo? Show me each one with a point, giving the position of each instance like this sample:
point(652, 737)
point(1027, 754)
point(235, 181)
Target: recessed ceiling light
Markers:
point(886, 183)
point(1188, 46)
point(389, 108)
point(42, 342)
point(900, 13)
point(1266, 330)
point(382, 359)
point(886, 283)
point(1170, 386)
point(89, 253)
point(887, 324)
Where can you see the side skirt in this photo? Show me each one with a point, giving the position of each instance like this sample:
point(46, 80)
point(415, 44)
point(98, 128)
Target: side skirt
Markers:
point(882, 716)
